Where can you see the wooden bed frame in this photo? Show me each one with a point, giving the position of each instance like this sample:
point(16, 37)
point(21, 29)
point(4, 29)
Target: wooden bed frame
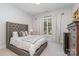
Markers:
point(10, 27)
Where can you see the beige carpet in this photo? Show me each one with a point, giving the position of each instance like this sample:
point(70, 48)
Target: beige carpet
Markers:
point(7, 52)
point(53, 49)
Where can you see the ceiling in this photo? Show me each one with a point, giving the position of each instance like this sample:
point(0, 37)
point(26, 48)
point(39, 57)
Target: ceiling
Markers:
point(34, 9)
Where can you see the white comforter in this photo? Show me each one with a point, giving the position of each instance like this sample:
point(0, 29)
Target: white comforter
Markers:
point(30, 43)
point(34, 38)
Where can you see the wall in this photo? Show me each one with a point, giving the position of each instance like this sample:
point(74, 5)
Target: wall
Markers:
point(12, 14)
point(64, 21)
point(75, 7)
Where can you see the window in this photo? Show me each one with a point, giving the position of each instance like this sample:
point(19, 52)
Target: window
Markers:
point(48, 26)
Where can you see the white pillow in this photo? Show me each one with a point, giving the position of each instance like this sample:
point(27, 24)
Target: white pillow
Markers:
point(26, 33)
point(15, 34)
point(23, 33)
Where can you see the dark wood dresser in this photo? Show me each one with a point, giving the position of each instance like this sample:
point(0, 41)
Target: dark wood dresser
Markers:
point(74, 38)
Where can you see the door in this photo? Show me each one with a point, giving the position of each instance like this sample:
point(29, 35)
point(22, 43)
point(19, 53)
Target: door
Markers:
point(50, 27)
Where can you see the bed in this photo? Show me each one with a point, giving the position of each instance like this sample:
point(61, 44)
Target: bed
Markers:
point(10, 27)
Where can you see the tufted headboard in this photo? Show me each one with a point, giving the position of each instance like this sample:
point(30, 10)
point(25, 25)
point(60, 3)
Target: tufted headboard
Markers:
point(11, 27)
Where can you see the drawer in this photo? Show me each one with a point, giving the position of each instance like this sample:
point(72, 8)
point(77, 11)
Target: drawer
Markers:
point(73, 30)
point(72, 44)
point(73, 36)
point(72, 52)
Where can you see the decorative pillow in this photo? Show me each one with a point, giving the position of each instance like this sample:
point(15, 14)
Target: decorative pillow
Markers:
point(23, 33)
point(26, 33)
point(15, 34)
point(20, 33)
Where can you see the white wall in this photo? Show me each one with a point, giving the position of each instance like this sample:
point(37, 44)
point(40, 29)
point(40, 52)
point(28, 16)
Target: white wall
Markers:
point(12, 14)
point(75, 7)
point(66, 19)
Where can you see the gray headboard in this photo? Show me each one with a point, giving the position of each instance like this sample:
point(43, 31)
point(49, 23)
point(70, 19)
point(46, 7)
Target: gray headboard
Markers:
point(11, 27)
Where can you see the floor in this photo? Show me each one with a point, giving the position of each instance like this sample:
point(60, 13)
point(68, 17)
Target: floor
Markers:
point(53, 49)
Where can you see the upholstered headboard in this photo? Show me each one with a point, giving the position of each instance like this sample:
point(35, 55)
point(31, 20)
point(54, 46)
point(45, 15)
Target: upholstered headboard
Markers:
point(11, 27)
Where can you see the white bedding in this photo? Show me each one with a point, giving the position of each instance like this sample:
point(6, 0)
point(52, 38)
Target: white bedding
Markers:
point(30, 43)
point(33, 38)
